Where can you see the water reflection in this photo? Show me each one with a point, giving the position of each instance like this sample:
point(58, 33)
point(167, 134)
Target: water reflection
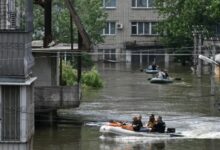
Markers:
point(57, 137)
point(159, 145)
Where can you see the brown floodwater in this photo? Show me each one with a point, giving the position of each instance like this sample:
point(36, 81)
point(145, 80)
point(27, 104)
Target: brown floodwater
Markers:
point(185, 104)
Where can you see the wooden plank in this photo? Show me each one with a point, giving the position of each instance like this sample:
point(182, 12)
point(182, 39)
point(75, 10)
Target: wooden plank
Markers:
point(79, 25)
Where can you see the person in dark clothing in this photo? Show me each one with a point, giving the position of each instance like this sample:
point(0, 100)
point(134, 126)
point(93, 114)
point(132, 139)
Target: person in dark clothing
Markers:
point(154, 66)
point(159, 126)
point(137, 123)
point(166, 74)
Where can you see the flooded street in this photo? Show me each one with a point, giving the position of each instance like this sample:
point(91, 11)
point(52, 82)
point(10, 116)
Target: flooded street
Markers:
point(185, 104)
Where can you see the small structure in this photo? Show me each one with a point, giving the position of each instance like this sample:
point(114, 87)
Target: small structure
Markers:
point(50, 94)
point(16, 82)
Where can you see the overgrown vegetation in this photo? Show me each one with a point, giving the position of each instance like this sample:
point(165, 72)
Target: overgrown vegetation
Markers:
point(182, 16)
point(69, 74)
point(92, 78)
point(92, 16)
point(89, 78)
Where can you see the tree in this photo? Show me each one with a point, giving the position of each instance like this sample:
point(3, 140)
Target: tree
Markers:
point(92, 15)
point(180, 16)
point(180, 19)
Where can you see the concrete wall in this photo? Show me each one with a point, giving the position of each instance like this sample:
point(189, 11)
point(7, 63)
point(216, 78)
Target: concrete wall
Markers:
point(46, 69)
point(16, 59)
point(55, 97)
point(17, 146)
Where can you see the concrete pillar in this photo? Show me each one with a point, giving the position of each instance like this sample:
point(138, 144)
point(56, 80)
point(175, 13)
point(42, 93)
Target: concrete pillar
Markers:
point(128, 56)
point(166, 59)
point(199, 65)
point(212, 72)
point(195, 52)
point(141, 58)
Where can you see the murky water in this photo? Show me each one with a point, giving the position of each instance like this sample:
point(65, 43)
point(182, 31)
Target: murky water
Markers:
point(185, 105)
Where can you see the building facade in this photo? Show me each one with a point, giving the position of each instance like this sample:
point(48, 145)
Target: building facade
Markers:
point(130, 28)
point(16, 80)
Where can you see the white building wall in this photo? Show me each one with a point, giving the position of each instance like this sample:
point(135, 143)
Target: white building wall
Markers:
point(125, 14)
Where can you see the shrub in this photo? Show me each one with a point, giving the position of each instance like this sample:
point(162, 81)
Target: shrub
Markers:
point(69, 75)
point(89, 78)
point(92, 78)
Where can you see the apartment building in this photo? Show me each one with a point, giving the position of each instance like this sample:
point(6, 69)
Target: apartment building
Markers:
point(129, 32)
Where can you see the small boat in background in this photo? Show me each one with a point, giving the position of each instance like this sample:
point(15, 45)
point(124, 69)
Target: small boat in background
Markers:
point(161, 80)
point(151, 70)
point(109, 61)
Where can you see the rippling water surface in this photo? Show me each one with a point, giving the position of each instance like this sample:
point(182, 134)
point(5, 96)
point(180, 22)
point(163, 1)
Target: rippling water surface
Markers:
point(185, 105)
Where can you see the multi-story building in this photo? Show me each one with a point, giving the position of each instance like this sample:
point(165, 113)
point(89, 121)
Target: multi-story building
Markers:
point(16, 80)
point(130, 31)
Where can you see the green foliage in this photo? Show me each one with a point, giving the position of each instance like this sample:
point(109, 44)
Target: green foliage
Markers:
point(87, 61)
point(92, 78)
point(180, 19)
point(69, 75)
point(89, 78)
point(92, 15)
point(38, 22)
point(182, 15)
point(61, 22)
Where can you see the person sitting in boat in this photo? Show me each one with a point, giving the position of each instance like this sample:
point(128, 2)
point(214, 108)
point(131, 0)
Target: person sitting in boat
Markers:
point(166, 75)
point(154, 66)
point(159, 126)
point(134, 126)
point(151, 122)
point(161, 74)
point(137, 123)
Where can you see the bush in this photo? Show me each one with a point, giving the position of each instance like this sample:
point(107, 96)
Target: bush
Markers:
point(92, 78)
point(69, 75)
point(89, 79)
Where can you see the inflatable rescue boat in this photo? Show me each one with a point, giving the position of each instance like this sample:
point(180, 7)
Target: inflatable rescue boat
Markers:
point(117, 130)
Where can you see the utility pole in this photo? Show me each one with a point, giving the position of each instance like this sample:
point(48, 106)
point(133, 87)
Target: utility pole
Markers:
point(212, 66)
point(197, 63)
point(195, 50)
point(199, 66)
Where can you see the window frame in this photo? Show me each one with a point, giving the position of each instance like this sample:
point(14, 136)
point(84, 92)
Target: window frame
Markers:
point(109, 26)
point(109, 7)
point(107, 54)
point(134, 4)
point(145, 25)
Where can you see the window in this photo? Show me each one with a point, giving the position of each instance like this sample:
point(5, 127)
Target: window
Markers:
point(154, 28)
point(109, 3)
point(110, 28)
point(143, 28)
point(107, 54)
point(151, 3)
point(142, 3)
